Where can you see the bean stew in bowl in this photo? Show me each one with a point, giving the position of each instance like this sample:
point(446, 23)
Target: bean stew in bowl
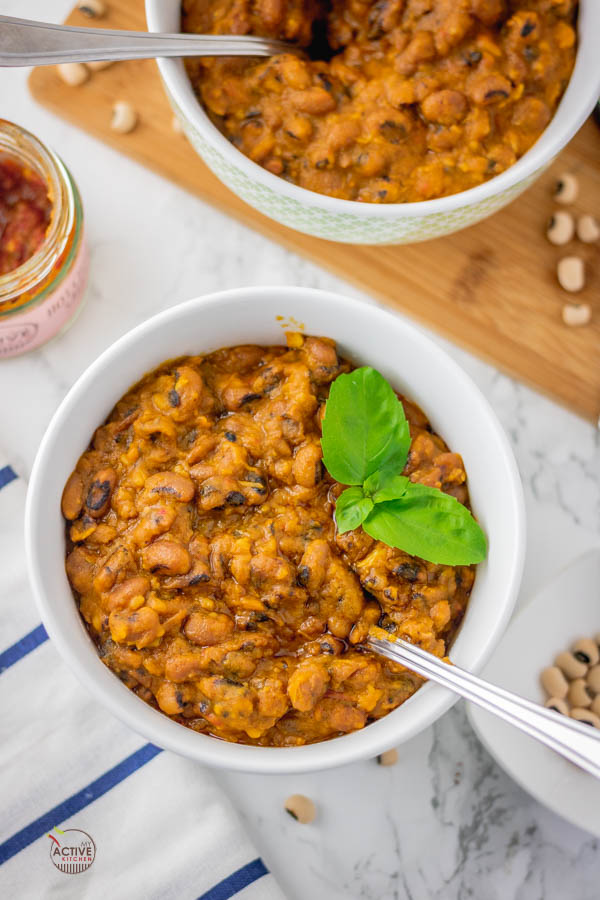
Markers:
point(395, 122)
point(223, 535)
point(394, 101)
point(203, 551)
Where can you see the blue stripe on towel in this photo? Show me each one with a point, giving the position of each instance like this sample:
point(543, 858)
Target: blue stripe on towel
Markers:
point(237, 881)
point(24, 646)
point(7, 474)
point(77, 802)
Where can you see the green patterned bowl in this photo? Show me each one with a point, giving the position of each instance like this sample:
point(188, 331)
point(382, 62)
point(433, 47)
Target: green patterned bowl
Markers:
point(370, 223)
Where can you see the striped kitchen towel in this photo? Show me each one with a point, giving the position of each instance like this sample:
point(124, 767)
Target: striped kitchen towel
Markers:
point(88, 810)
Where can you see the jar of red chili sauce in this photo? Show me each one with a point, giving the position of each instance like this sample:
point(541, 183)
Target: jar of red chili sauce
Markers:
point(44, 261)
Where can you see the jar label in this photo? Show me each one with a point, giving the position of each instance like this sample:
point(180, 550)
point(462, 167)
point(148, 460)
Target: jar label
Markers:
point(32, 328)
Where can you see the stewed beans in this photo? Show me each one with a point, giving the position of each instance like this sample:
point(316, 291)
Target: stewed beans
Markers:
point(395, 100)
point(203, 554)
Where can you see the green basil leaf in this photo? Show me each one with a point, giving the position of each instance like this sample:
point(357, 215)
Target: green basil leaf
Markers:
point(351, 508)
point(426, 522)
point(364, 428)
point(383, 485)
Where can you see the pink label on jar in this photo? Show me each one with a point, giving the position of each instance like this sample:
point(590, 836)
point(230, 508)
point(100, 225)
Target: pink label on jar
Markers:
point(25, 331)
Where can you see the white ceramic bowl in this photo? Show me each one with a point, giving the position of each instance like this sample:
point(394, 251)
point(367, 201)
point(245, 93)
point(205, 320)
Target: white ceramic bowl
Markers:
point(373, 223)
point(366, 334)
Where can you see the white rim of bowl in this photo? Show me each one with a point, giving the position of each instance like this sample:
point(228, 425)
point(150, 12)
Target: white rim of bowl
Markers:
point(543, 151)
point(154, 725)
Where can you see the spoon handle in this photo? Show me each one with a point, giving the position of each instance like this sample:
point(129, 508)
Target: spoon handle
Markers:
point(27, 43)
point(576, 742)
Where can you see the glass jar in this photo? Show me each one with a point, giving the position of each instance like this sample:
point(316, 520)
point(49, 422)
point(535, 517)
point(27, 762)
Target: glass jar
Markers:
point(41, 297)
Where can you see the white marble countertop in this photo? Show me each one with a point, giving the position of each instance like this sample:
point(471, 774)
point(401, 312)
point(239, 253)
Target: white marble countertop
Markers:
point(446, 823)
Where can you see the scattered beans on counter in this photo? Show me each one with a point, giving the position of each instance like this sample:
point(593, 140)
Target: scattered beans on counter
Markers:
point(567, 188)
point(574, 314)
point(593, 679)
point(578, 693)
point(568, 664)
point(561, 227)
point(572, 684)
point(554, 682)
point(571, 273)
point(124, 117)
point(73, 73)
point(586, 651)
point(586, 717)
point(560, 230)
point(301, 808)
point(557, 705)
point(588, 229)
point(388, 758)
point(94, 9)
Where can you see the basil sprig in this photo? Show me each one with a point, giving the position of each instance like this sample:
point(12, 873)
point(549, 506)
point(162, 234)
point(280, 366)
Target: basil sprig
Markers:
point(365, 441)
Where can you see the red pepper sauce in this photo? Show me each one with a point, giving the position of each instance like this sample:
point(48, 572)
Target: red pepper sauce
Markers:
point(25, 211)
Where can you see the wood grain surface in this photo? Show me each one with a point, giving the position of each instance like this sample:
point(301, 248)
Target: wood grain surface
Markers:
point(491, 288)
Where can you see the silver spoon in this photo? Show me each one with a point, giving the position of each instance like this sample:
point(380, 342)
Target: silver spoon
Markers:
point(27, 43)
point(576, 742)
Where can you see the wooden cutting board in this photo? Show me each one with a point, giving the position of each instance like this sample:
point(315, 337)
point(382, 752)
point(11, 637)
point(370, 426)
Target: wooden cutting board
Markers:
point(491, 288)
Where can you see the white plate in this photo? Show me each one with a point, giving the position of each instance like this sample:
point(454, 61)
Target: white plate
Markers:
point(565, 609)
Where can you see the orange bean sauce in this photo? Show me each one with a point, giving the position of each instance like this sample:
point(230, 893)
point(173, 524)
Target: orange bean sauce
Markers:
point(203, 554)
point(396, 100)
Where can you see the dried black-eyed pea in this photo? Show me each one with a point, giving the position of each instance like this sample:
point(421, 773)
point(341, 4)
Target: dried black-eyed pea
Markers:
point(588, 229)
point(578, 695)
point(595, 707)
point(388, 758)
point(574, 314)
point(593, 679)
point(570, 666)
point(301, 808)
point(561, 227)
point(554, 682)
point(570, 272)
point(124, 117)
point(176, 125)
point(566, 189)
point(93, 9)
point(586, 717)
point(559, 706)
point(73, 73)
point(586, 650)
